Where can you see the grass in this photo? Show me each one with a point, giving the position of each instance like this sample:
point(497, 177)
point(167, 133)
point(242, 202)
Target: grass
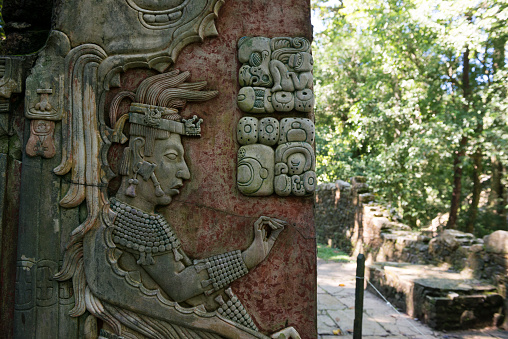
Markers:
point(332, 254)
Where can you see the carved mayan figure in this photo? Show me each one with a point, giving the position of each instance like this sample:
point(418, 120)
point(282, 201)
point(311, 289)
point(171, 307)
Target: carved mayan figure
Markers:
point(134, 254)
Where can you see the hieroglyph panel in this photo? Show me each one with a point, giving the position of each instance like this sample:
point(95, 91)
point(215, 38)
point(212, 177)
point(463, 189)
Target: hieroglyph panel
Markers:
point(276, 75)
point(289, 170)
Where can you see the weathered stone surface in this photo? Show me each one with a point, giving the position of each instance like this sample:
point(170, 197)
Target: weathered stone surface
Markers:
point(247, 131)
point(255, 170)
point(334, 213)
point(497, 242)
point(454, 238)
point(441, 299)
point(283, 66)
point(268, 131)
point(384, 240)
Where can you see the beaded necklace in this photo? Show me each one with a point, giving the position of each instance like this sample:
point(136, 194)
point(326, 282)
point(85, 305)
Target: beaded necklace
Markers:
point(142, 232)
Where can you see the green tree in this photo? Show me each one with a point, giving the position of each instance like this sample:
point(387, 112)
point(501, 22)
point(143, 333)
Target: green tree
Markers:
point(408, 93)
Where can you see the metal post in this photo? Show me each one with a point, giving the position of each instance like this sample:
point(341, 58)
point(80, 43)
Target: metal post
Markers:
point(360, 274)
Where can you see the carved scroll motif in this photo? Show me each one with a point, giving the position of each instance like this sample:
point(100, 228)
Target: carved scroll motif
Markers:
point(276, 75)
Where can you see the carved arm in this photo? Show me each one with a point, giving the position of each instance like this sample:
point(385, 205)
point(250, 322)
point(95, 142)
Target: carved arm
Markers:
point(303, 81)
point(204, 276)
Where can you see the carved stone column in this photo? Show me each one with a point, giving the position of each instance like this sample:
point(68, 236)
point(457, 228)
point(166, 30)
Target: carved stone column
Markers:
point(144, 211)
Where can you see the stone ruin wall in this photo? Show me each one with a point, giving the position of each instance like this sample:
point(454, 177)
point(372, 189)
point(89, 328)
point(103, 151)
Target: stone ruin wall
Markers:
point(348, 218)
point(337, 212)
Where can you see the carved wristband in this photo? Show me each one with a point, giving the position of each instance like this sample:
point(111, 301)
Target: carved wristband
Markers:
point(222, 270)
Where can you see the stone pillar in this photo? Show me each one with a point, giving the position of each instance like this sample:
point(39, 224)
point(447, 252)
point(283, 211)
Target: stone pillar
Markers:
point(11, 130)
point(143, 213)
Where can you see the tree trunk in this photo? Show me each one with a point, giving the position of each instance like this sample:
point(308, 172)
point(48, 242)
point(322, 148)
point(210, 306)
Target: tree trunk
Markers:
point(459, 154)
point(457, 184)
point(477, 190)
point(497, 197)
point(496, 187)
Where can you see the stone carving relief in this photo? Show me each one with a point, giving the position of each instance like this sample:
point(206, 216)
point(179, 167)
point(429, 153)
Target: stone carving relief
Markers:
point(44, 96)
point(11, 81)
point(294, 169)
point(130, 252)
point(276, 75)
point(155, 31)
point(36, 280)
point(124, 250)
point(288, 170)
point(255, 170)
point(11, 76)
point(42, 140)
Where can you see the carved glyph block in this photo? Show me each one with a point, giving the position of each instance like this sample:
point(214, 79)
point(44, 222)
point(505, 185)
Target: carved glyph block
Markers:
point(283, 101)
point(304, 100)
point(44, 94)
point(41, 142)
point(255, 170)
point(255, 100)
point(296, 129)
point(268, 131)
point(294, 169)
point(294, 159)
point(247, 131)
point(282, 66)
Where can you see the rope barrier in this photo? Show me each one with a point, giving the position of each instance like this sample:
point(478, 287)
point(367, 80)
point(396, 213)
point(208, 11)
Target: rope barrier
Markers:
point(398, 313)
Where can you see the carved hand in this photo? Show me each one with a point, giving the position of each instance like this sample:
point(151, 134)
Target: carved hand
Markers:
point(266, 231)
point(286, 333)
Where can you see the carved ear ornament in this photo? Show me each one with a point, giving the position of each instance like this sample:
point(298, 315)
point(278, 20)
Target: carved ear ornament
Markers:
point(154, 116)
point(146, 170)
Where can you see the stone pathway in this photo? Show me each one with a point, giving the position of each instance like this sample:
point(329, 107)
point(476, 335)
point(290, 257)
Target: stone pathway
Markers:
point(336, 298)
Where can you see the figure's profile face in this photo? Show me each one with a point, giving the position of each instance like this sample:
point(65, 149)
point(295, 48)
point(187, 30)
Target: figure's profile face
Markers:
point(171, 168)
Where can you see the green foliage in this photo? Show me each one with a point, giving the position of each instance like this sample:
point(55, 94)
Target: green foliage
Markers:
point(2, 23)
point(392, 103)
point(331, 254)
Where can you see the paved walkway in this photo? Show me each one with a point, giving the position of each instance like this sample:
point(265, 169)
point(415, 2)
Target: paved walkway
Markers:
point(336, 298)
